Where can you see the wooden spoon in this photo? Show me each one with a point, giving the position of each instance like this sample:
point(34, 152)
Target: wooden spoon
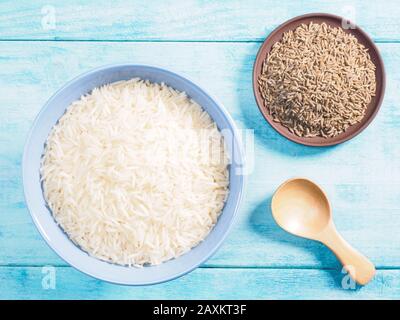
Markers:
point(301, 207)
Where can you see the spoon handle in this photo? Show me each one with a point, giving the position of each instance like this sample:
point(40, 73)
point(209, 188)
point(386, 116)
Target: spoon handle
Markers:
point(359, 267)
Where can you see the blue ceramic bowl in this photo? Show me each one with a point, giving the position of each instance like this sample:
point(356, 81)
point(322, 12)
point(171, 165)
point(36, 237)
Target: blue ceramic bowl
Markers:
point(54, 235)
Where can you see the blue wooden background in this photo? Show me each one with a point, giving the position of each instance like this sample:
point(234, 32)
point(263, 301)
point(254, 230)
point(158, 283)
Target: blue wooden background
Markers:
point(43, 44)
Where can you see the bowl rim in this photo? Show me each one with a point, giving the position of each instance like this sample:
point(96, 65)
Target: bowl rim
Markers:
point(260, 103)
point(76, 264)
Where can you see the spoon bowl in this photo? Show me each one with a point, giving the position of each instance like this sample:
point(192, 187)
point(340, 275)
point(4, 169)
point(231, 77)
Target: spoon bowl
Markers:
point(302, 208)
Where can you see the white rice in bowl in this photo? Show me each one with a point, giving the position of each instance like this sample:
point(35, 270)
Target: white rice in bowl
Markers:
point(135, 173)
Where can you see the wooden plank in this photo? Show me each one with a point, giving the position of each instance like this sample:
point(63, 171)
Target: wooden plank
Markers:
point(362, 177)
point(196, 20)
point(34, 283)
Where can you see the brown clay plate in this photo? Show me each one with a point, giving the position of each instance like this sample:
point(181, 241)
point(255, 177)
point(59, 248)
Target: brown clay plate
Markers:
point(363, 38)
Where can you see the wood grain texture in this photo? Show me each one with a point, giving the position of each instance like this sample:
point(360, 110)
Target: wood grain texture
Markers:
point(362, 173)
point(192, 20)
point(26, 283)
